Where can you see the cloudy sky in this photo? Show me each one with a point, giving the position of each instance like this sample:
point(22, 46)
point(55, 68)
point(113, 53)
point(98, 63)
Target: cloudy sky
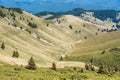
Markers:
point(60, 5)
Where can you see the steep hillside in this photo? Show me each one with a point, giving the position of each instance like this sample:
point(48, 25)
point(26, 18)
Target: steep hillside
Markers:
point(45, 40)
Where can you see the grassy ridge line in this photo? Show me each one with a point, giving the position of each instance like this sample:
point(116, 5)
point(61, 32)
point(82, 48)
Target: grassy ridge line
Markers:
point(59, 35)
point(97, 43)
point(92, 49)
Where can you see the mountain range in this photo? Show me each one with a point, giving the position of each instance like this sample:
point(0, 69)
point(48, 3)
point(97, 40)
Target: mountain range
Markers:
point(100, 14)
point(35, 6)
point(67, 45)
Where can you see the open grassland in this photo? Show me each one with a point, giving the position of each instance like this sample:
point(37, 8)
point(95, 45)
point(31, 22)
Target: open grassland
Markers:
point(99, 49)
point(20, 73)
point(45, 40)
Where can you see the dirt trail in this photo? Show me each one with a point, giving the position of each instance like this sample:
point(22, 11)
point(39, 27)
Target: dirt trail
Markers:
point(63, 64)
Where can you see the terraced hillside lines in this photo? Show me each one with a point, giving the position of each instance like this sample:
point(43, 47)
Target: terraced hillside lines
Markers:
point(104, 48)
point(45, 40)
point(100, 42)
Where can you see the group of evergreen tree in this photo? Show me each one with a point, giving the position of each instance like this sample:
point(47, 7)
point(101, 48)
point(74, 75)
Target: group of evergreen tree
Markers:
point(2, 14)
point(15, 54)
point(13, 15)
point(33, 25)
point(89, 67)
point(16, 9)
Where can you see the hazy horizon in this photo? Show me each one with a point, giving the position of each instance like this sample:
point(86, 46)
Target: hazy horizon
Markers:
point(62, 5)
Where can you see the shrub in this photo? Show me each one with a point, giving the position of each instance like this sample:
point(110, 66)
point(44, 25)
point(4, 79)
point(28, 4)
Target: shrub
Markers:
point(59, 22)
point(85, 37)
point(101, 69)
point(103, 52)
point(92, 60)
point(31, 18)
point(13, 15)
point(117, 69)
point(84, 25)
point(61, 58)
point(21, 27)
point(82, 71)
point(20, 18)
point(14, 18)
point(96, 33)
point(47, 24)
point(89, 67)
point(70, 26)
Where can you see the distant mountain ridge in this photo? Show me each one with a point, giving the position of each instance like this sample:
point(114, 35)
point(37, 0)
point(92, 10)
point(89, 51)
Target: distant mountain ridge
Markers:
point(45, 40)
point(75, 12)
point(100, 14)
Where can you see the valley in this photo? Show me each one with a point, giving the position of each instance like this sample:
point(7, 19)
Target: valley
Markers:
point(67, 42)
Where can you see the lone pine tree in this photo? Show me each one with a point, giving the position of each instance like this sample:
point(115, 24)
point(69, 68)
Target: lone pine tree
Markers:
point(54, 66)
point(101, 69)
point(31, 64)
point(3, 45)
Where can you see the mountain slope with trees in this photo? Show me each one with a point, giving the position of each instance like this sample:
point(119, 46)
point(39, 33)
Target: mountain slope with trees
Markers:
point(45, 40)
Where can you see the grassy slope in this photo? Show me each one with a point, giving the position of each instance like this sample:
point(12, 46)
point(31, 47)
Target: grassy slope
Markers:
point(9, 73)
point(93, 47)
point(54, 39)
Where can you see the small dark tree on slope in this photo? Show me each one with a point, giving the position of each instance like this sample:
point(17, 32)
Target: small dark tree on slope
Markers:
point(70, 26)
point(31, 64)
point(54, 66)
point(33, 25)
point(3, 45)
point(2, 14)
point(15, 54)
point(47, 24)
point(101, 69)
point(92, 60)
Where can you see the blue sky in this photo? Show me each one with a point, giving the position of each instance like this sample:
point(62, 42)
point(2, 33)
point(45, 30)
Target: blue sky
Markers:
point(61, 5)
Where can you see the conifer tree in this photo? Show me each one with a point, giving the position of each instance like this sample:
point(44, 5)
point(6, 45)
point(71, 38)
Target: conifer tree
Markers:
point(70, 26)
point(54, 66)
point(15, 54)
point(3, 45)
point(31, 64)
point(101, 68)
